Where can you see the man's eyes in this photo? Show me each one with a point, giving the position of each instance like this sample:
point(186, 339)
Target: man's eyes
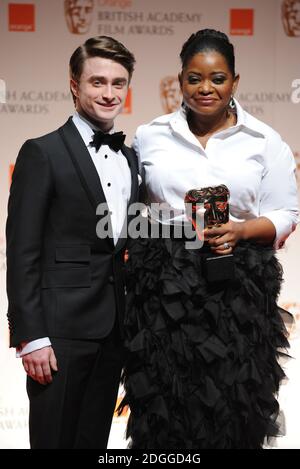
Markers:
point(118, 85)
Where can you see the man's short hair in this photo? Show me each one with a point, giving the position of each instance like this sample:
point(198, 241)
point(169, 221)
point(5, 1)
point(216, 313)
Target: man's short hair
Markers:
point(101, 46)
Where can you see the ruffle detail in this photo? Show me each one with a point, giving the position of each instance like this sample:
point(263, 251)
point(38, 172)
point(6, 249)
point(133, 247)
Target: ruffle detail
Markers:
point(202, 369)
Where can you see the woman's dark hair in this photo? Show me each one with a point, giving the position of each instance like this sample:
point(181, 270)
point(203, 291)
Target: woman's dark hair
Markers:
point(208, 40)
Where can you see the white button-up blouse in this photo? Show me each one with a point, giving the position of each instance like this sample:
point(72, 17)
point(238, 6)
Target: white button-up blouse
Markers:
point(250, 158)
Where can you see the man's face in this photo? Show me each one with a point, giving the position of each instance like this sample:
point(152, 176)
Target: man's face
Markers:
point(79, 15)
point(101, 91)
point(294, 18)
point(291, 17)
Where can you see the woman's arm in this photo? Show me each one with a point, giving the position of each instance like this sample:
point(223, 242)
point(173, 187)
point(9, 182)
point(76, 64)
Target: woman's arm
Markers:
point(278, 205)
point(260, 230)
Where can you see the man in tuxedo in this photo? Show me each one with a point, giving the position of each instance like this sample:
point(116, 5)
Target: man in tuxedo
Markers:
point(65, 284)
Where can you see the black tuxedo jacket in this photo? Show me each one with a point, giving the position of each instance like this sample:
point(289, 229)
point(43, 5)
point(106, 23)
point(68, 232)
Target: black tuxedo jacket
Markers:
point(62, 280)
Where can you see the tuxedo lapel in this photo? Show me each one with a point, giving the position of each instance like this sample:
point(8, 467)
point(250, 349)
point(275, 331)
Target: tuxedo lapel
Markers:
point(83, 163)
point(84, 166)
point(132, 163)
point(87, 172)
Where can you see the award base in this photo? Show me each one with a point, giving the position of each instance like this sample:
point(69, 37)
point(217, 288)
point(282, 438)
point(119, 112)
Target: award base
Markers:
point(218, 268)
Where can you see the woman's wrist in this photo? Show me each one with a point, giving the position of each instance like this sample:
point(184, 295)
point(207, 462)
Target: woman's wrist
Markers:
point(241, 230)
point(260, 229)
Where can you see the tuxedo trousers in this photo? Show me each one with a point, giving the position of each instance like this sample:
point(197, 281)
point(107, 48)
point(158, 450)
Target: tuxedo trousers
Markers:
point(76, 409)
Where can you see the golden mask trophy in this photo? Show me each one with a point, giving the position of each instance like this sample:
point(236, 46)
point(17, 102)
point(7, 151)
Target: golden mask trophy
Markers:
point(215, 202)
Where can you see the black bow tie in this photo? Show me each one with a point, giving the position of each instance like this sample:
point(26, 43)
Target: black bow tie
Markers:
point(114, 141)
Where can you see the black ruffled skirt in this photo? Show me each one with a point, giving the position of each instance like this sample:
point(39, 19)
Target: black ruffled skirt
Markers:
point(202, 369)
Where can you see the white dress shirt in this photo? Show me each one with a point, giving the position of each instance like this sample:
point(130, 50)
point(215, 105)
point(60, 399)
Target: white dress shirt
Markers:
point(250, 158)
point(114, 173)
point(115, 176)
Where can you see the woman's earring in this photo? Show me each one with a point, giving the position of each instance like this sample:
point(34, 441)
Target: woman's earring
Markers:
point(231, 103)
point(184, 106)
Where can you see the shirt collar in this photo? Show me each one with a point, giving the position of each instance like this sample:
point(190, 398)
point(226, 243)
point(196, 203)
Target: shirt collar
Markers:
point(245, 122)
point(85, 127)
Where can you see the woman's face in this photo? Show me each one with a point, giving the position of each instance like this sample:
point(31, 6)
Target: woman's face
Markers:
point(207, 84)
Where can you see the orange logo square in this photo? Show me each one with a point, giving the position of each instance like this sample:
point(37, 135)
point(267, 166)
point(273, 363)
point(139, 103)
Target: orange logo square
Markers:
point(11, 170)
point(241, 22)
point(128, 103)
point(21, 17)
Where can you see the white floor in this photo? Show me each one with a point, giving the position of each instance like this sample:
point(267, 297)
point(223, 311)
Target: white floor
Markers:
point(289, 399)
point(14, 408)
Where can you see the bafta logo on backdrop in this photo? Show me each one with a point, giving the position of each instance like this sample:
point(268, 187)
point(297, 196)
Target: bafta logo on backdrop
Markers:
point(290, 13)
point(170, 94)
point(79, 15)
point(2, 92)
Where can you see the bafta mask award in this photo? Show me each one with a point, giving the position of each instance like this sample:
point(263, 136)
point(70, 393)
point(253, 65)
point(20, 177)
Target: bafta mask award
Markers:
point(214, 201)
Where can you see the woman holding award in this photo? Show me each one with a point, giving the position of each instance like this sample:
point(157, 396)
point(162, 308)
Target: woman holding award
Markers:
point(203, 327)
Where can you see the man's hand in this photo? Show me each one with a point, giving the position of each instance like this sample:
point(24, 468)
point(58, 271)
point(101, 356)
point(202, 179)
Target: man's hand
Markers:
point(38, 364)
